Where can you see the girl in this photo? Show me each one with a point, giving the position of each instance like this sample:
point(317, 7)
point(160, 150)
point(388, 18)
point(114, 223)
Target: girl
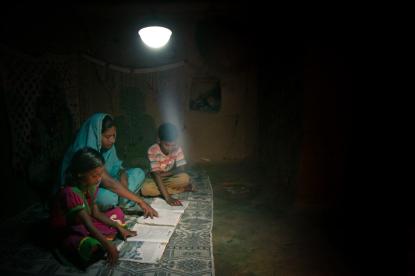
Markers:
point(118, 186)
point(81, 230)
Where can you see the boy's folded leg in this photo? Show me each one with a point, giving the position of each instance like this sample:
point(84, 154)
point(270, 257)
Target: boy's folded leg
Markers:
point(171, 190)
point(149, 188)
point(178, 184)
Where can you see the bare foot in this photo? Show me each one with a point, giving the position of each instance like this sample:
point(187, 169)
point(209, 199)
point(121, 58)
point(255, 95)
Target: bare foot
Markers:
point(190, 188)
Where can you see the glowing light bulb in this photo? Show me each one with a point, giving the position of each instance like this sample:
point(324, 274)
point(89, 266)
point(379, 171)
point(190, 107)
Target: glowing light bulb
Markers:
point(155, 36)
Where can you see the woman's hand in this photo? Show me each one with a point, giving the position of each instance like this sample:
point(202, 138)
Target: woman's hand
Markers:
point(112, 253)
point(148, 210)
point(125, 233)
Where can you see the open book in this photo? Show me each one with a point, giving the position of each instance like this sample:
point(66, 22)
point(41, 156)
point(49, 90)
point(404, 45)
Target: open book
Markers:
point(153, 234)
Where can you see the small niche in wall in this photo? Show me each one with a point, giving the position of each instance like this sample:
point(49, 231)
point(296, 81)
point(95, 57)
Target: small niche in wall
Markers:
point(205, 95)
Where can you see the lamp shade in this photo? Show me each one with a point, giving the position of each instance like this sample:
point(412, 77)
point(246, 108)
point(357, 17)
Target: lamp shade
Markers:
point(155, 36)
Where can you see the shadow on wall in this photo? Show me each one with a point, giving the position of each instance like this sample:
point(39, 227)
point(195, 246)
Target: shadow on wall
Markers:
point(51, 135)
point(205, 95)
point(6, 157)
point(50, 131)
point(137, 130)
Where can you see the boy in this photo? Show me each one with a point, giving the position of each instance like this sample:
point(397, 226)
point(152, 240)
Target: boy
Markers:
point(167, 167)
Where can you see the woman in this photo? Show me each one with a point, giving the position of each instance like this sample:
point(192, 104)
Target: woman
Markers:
point(81, 231)
point(118, 186)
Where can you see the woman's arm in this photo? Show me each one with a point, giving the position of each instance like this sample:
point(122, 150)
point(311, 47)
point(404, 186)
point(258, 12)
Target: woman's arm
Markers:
point(116, 187)
point(124, 179)
point(84, 217)
point(125, 233)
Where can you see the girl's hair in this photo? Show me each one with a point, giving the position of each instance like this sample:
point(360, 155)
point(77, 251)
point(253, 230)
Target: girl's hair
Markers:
point(107, 123)
point(84, 160)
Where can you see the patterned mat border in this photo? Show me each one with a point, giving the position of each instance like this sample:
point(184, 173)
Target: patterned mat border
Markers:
point(36, 261)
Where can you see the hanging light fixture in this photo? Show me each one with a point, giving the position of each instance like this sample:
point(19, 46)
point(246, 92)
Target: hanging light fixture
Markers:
point(155, 36)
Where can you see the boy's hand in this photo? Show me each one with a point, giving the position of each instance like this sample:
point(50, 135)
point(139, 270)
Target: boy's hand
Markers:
point(173, 202)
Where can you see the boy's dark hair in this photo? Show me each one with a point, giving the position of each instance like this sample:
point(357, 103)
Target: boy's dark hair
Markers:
point(107, 123)
point(167, 132)
point(84, 160)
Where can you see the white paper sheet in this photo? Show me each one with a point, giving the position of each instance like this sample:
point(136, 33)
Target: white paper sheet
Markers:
point(141, 251)
point(160, 204)
point(167, 218)
point(153, 233)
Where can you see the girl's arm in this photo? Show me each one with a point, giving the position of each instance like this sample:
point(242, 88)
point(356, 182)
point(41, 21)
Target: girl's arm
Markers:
point(125, 233)
point(116, 187)
point(84, 217)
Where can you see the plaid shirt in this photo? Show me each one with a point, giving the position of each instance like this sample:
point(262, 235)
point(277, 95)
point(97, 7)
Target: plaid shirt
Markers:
point(163, 163)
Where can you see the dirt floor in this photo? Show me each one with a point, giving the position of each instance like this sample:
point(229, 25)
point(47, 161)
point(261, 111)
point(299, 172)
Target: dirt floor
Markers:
point(253, 236)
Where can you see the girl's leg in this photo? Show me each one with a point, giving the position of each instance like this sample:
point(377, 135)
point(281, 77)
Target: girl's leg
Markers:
point(82, 250)
point(115, 214)
point(90, 250)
